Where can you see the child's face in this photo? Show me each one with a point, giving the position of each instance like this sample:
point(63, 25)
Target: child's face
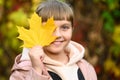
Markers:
point(63, 33)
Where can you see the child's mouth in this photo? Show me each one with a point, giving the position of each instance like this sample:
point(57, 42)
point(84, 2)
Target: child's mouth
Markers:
point(57, 43)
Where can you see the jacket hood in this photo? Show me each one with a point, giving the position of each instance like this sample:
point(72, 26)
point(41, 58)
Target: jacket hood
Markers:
point(76, 53)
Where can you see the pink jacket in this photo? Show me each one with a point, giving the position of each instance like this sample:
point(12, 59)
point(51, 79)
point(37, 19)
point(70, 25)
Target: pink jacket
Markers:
point(22, 69)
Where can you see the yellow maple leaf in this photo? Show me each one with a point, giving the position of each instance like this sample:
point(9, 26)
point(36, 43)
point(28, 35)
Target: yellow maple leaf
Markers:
point(38, 34)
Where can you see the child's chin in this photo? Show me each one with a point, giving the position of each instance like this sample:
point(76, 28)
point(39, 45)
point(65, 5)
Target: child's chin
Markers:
point(56, 50)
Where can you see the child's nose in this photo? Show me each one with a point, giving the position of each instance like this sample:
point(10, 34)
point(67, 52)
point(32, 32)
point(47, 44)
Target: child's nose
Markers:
point(57, 33)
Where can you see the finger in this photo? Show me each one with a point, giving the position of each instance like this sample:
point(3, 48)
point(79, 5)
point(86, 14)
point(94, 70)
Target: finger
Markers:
point(44, 70)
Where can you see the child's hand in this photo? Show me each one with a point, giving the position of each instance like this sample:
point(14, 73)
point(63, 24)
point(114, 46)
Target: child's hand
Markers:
point(37, 55)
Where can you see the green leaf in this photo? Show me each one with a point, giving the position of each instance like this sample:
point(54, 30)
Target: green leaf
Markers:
point(109, 27)
point(115, 50)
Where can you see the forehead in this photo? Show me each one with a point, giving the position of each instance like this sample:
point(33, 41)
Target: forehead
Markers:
point(62, 22)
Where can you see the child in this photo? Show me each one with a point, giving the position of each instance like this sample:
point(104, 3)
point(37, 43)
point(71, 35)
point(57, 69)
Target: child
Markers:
point(62, 59)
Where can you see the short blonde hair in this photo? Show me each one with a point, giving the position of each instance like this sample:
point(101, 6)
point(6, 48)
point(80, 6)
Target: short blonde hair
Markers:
point(59, 10)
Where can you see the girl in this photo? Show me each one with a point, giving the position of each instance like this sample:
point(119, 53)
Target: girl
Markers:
point(62, 59)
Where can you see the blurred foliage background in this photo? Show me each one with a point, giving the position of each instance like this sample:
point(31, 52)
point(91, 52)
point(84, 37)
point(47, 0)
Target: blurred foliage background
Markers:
point(97, 28)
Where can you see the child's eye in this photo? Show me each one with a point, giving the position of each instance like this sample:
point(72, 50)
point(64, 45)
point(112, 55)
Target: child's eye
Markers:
point(65, 27)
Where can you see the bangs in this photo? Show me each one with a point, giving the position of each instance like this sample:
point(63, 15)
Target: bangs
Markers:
point(59, 11)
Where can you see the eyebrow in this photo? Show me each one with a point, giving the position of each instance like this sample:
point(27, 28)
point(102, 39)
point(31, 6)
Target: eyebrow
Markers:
point(67, 24)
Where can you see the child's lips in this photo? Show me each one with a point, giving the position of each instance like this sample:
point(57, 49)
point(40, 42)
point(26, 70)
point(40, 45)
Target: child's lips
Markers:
point(57, 42)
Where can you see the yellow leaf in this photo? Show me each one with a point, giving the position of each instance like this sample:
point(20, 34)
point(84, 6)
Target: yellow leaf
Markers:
point(116, 34)
point(38, 34)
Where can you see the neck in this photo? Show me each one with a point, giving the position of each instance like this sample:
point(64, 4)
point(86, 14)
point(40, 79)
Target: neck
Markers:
point(60, 57)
